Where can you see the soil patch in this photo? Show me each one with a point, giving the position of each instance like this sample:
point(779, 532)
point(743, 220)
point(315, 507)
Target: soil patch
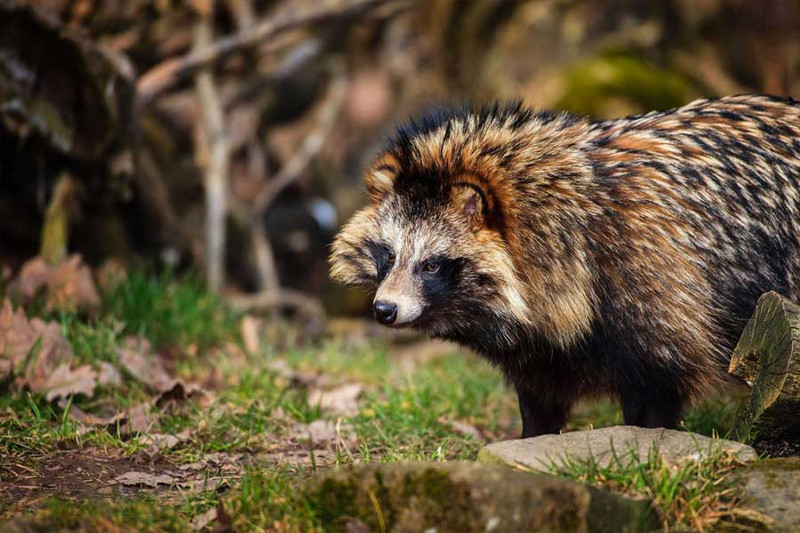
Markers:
point(74, 473)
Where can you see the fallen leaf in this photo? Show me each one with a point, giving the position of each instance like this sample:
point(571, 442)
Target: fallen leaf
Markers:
point(135, 356)
point(201, 521)
point(325, 432)
point(144, 479)
point(66, 286)
point(140, 418)
point(40, 357)
point(341, 400)
point(181, 391)
point(66, 381)
point(89, 419)
point(161, 441)
point(463, 428)
point(108, 375)
point(18, 338)
point(318, 431)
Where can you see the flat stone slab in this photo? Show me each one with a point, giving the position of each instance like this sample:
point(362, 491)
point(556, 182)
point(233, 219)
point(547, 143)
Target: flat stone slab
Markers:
point(771, 495)
point(461, 497)
point(603, 445)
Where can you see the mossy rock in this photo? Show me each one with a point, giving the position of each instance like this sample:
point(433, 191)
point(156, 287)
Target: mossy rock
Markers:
point(468, 497)
point(771, 490)
point(604, 446)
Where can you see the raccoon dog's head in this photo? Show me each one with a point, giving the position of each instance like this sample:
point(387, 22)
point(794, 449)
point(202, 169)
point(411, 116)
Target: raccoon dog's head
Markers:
point(431, 242)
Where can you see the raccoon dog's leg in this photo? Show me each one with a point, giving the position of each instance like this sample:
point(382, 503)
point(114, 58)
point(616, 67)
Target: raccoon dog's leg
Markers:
point(651, 409)
point(541, 412)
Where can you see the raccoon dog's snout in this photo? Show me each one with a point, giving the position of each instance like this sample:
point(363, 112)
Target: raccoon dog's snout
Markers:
point(385, 312)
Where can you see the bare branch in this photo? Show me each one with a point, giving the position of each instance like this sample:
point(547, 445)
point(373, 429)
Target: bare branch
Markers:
point(284, 298)
point(242, 11)
point(311, 146)
point(216, 163)
point(288, 174)
point(167, 73)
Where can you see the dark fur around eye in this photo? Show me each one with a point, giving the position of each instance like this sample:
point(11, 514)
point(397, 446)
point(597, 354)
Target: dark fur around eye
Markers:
point(382, 255)
point(439, 285)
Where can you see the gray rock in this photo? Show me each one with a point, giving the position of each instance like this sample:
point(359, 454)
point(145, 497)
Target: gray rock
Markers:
point(626, 442)
point(468, 497)
point(771, 495)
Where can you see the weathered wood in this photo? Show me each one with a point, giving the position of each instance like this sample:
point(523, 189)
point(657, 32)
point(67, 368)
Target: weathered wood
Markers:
point(768, 359)
point(55, 230)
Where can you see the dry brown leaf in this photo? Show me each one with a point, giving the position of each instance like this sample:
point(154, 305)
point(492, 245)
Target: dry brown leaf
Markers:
point(463, 428)
point(17, 337)
point(201, 521)
point(83, 417)
point(162, 441)
point(319, 431)
point(341, 400)
point(181, 391)
point(135, 356)
point(108, 375)
point(325, 432)
point(66, 286)
point(39, 355)
point(54, 350)
point(144, 479)
point(66, 381)
point(140, 418)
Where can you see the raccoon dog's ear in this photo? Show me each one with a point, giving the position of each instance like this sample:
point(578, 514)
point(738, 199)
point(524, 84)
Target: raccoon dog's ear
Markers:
point(470, 201)
point(380, 180)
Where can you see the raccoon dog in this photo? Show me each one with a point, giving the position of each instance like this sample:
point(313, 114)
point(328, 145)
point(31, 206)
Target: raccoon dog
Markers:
point(585, 258)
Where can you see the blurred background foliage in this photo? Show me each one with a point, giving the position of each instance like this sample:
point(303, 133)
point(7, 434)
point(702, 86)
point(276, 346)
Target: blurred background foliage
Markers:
point(110, 150)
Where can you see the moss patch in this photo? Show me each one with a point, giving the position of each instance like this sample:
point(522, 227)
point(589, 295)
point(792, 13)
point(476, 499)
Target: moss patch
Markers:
point(467, 497)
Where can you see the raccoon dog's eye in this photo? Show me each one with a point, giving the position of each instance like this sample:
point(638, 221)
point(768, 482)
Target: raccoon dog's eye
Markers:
point(431, 267)
point(390, 258)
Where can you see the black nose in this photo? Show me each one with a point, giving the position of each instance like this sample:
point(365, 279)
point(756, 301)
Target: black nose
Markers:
point(385, 312)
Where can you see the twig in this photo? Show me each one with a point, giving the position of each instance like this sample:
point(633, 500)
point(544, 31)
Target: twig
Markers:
point(288, 174)
point(167, 73)
point(310, 148)
point(302, 302)
point(242, 11)
point(301, 56)
point(216, 171)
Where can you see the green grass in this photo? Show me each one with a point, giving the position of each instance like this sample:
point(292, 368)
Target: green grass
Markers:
point(269, 499)
point(686, 496)
point(144, 513)
point(406, 412)
point(170, 311)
